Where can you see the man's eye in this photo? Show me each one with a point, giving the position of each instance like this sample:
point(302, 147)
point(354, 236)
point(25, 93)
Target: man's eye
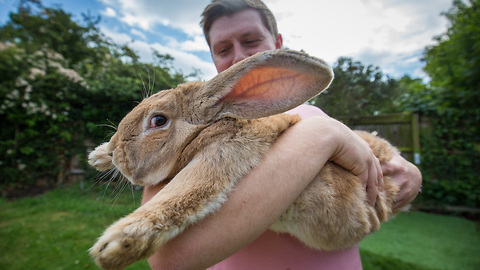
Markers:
point(223, 51)
point(252, 42)
point(158, 121)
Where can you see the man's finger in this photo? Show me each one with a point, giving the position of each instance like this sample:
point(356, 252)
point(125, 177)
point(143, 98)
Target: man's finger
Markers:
point(372, 192)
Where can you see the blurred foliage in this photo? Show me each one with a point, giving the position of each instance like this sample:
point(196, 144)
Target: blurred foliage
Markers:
point(62, 83)
point(451, 100)
point(357, 90)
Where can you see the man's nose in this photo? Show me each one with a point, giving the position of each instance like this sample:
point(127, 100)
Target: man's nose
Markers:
point(239, 54)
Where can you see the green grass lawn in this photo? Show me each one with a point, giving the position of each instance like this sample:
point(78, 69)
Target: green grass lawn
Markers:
point(426, 241)
point(55, 230)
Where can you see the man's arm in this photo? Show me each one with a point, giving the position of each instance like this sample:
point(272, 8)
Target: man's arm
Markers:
point(403, 173)
point(266, 192)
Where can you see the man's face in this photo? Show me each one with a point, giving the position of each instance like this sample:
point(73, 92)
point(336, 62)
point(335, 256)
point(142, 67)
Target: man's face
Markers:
point(235, 38)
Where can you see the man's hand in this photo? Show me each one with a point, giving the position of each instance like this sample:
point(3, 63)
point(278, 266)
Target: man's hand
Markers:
point(406, 176)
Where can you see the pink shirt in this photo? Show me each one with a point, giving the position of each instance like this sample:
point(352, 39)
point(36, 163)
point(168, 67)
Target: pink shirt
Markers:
point(282, 251)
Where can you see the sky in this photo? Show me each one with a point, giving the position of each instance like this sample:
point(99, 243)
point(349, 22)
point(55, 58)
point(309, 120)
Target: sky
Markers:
point(390, 34)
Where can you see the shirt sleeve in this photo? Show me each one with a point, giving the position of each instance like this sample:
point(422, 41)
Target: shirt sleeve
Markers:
point(305, 111)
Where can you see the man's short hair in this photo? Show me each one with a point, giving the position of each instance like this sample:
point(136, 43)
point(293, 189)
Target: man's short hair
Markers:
point(219, 8)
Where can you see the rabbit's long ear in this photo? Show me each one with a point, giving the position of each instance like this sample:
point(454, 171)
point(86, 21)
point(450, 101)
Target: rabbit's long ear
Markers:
point(265, 84)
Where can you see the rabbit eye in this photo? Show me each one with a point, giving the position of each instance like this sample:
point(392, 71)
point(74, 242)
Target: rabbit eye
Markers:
point(158, 121)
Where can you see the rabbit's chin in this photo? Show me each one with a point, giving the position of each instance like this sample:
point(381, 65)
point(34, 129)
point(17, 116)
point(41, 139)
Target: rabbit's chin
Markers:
point(139, 179)
point(151, 180)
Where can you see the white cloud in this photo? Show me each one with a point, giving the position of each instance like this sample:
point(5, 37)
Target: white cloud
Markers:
point(391, 34)
point(196, 44)
point(117, 37)
point(109, 12)
point(188, 62)
point(184, 62)
point(180, 14)
point(389, 30)
point(138, 33)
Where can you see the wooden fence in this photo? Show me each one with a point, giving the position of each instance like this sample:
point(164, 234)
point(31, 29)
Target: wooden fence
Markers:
point(401, 130)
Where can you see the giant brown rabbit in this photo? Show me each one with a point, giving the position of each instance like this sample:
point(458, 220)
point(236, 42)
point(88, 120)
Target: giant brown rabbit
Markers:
point(202, 137)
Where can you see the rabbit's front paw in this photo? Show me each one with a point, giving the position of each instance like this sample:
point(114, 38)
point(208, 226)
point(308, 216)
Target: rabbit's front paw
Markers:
point(124, 243)
point(101, 158)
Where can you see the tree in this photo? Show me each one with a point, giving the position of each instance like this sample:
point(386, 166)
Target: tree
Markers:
point(53, 29)
point(452, 100)
point(61, 82)
point(454, 63)
point(357, 90)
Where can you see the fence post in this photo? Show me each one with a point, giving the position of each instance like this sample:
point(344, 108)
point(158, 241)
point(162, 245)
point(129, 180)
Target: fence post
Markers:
point(416, 138)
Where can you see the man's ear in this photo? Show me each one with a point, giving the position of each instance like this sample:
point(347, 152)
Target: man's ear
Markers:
point(279, 42)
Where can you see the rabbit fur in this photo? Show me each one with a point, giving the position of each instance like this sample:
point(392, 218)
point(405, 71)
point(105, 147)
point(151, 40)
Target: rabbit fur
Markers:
point(202, 137)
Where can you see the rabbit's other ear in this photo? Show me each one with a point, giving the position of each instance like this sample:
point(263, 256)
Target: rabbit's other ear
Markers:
point(101, 158)
point(265, 84)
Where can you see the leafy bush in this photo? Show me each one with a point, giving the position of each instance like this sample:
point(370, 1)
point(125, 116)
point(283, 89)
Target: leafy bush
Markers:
point(358, 90)
point(450, 162)
point(451, 148)
point(454, 66)
point(53, 98)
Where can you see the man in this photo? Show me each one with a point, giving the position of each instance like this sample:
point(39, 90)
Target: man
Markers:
point(237, 235)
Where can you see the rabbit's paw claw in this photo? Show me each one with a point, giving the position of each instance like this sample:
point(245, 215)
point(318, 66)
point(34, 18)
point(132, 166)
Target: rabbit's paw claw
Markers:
point(117, 249)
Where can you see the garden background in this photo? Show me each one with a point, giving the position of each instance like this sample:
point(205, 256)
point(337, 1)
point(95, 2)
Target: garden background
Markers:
point(64, 86)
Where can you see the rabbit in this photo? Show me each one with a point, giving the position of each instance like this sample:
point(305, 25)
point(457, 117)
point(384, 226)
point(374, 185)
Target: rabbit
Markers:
point(202, 137)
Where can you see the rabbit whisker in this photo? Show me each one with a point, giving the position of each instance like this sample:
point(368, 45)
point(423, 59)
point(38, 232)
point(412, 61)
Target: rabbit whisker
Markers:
point(153, 84)
point(112, 126)
point(117, 191)
point(145, 91)
point(112, 174)
point(133, 188)
point(100, 177)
